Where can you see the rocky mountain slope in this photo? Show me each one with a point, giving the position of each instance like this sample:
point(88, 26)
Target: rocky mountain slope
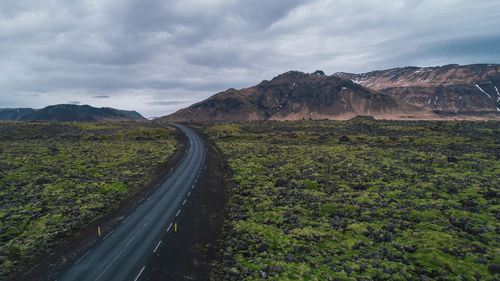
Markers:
point(69, 112)
point(456, 89)
point(14, 114)
point(295, 95)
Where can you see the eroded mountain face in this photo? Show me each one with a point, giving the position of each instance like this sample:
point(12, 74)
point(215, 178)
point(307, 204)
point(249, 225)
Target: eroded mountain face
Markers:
point(452, 88)
point(295, 95)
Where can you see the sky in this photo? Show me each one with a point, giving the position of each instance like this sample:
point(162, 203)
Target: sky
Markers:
point(157, 56)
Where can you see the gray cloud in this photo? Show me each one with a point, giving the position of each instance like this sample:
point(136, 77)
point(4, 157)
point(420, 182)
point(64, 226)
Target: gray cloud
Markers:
point(172, 102)
point(157, 56)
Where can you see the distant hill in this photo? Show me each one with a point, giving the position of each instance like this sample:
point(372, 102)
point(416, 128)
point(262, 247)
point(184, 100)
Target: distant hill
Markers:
point(295, 95)
point(471, 89)
point(68, 113)
point(13, 114)
point(132, 113)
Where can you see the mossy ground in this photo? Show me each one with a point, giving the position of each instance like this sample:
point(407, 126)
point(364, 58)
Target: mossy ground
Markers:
point(58, 177)
point(361, 200)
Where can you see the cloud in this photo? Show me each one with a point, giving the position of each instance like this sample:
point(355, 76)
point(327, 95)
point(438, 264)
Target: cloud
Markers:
point(160, 103)
point(157, 56)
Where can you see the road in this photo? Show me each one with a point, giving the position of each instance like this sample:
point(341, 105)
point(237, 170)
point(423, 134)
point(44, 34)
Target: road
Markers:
point(122, 253)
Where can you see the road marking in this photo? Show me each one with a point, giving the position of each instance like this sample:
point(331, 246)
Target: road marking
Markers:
point(133, 237)
point(178, 212)
point(192, 187)
point(169, 227)
point(80, 259)
point(140, 272)
point(107, 235)
point(157, 246)
point(184, 202)
point(189, 193)
point(107, 267)
point(149, 199)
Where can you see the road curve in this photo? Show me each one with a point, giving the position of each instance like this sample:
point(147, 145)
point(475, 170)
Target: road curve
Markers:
point(122, 253)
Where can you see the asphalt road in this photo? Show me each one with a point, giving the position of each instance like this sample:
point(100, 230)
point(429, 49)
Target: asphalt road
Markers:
point(122, 253)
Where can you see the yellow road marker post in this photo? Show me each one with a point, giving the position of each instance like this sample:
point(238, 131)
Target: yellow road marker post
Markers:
point(175, 227)
point(99, 231)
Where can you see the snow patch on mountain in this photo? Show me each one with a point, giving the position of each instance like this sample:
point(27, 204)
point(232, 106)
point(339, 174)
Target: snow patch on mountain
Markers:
point(480, 89)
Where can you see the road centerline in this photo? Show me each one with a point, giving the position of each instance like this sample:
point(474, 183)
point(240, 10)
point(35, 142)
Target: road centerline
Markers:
point(140, 272)
point(157, 246)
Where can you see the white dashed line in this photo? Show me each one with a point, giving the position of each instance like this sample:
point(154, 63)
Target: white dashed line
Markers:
point(157, 246)
point(140, 272)
point(169, 227)
point(126, 219)
point(100, 275)
point(80, 259)
point(133, 237)
point(189, 193)
point(107, 235)
point(183, 203)
point(178, 212)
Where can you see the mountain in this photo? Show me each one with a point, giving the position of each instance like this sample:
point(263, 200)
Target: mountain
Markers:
point(69, 112)
point(132, 113)
point(295, 95)
point(469, 89)
point(13, 114)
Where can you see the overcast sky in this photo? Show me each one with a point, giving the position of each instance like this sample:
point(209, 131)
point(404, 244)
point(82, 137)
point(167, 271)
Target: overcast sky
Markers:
point(157, 56)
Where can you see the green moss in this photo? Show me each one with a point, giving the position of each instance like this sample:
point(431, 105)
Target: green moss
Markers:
point(399, 201)
point(55, 178)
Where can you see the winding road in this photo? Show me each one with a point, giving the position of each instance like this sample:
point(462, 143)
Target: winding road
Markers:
point(122, 253)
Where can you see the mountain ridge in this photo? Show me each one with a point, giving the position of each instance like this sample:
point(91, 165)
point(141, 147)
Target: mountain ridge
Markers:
point(69, 113)
point(449, 88)
point(296, 95)
point(14, 114)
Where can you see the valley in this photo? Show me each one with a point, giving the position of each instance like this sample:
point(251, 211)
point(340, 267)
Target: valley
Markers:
point(362, 199)
point(344, 177)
